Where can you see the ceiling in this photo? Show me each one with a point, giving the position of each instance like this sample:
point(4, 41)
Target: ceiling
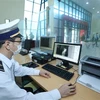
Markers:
point(92, 4)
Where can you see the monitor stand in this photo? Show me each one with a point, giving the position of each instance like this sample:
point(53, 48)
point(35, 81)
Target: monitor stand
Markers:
point(66, 64)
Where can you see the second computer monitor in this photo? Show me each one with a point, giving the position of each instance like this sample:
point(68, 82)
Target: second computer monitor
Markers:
point(47, 43)
point(67, 52)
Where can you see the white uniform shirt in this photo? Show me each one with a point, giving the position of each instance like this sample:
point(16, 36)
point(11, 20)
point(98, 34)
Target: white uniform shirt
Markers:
point(9, 90)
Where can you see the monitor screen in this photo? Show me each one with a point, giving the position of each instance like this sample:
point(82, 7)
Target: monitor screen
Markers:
point(47, 42)
point(67, 52)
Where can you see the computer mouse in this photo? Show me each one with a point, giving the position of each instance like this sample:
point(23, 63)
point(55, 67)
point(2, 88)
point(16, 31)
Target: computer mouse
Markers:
point(30, 64)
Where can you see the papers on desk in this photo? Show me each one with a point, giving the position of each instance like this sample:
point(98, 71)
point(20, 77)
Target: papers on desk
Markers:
point(90, 82)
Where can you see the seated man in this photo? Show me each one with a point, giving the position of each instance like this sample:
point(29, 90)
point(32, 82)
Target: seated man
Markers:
point(10, 44)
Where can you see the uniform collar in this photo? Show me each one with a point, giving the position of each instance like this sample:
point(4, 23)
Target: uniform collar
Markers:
point(7, 61)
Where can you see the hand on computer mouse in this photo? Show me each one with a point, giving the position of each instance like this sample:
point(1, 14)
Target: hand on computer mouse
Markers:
point(70, 84)
point(44, 74)
point(67, 90)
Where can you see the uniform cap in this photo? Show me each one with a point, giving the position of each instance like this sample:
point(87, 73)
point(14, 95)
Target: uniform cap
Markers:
point(9, 30)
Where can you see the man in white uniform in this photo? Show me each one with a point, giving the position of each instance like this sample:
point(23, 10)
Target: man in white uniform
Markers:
point(10, 44)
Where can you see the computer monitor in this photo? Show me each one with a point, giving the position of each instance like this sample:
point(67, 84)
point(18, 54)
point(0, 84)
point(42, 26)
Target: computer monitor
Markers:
point(67, 52)
point(28, 44)
point(47, 43)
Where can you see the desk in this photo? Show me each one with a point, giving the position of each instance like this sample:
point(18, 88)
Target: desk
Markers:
point(83, 93)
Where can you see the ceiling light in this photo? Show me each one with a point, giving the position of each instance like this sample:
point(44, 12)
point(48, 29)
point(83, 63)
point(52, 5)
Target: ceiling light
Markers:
point(87, 3)
point(93, 8)
point(97, 11)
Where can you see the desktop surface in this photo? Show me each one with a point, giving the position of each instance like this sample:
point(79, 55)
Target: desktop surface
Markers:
point(82, 92)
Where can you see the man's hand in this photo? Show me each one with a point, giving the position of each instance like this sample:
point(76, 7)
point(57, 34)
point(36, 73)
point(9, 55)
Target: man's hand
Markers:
point(67, 89)
point(44, 74)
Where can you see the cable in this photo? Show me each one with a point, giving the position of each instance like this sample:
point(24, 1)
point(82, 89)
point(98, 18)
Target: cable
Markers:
point(76, 80)
point(77, 76)
point(75, 70)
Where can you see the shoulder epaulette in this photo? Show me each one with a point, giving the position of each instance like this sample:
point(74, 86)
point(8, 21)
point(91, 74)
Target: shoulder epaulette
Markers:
point(1, 66)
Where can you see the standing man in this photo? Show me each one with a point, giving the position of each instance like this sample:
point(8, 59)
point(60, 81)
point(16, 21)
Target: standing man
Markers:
point(10, 44)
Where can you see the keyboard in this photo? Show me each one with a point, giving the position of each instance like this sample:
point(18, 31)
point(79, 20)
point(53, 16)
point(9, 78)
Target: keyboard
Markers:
point(31, 65)
point(58, 71)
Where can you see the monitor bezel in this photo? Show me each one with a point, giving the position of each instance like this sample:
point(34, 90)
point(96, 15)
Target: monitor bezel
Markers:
point(76, 44)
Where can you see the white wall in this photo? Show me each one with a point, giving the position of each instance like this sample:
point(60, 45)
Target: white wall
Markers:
point(11, 9)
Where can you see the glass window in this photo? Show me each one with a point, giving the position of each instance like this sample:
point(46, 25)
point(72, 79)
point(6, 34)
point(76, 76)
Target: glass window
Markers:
point(61, 6)
point(73, 5)
point(42, 7)
point(45, 24)
point(36, 8)
point(42, 16)
point(29, 0)
point(55, 13)
point(80, 15)
point(62, 0)
point(66, 1)
point(55, 22)
point(66, 13)
point(27, 15)
point(33, 34)
point(76, 6)
point(28, 34)
point(70, 15)
point(56, 30)
point(66, 8)
point(60, 24)
point(65, 23)
point(70, 10)
point(60, 31)
point(70, 24)
point(73, 24)
point(56, 3)
point(28, 25)
point(73, 12)
point(42, 32)
point(86, 17)
point(76, 12)
point(35, 17)
point(70, 3)
point(61, 13)
point(83, 16)
point(34, 25)
point(82, 9)
point(79, 8)
point(28, 6)
point(42, 24)
point(37, 1)
point(46, 4)
point(45, 14)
